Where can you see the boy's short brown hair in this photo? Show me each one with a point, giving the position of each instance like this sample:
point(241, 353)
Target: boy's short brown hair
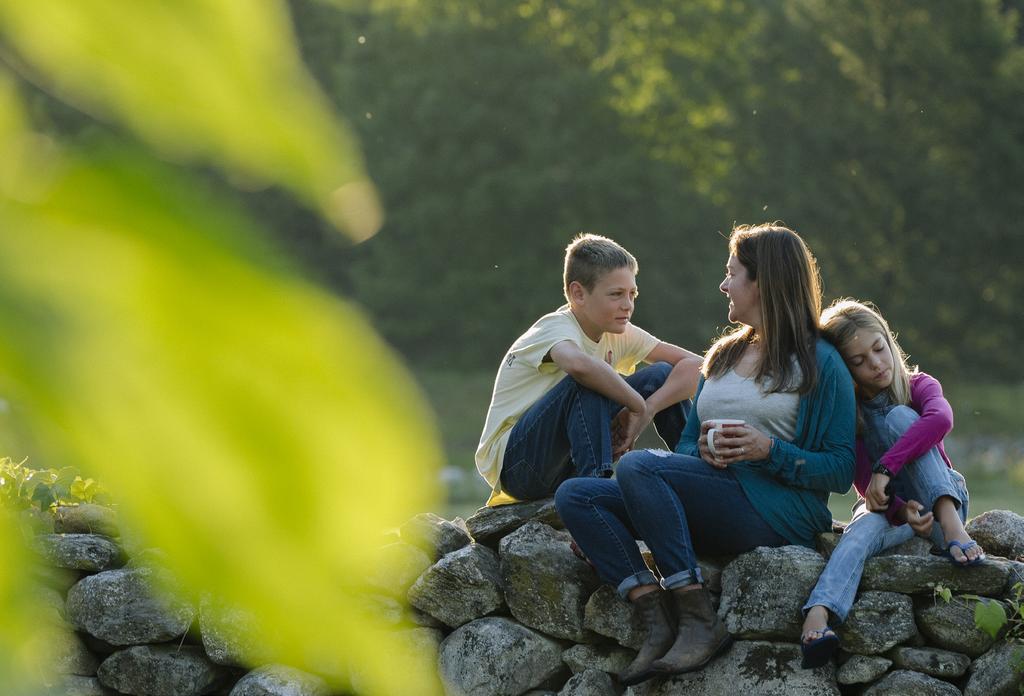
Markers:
point(590, 256)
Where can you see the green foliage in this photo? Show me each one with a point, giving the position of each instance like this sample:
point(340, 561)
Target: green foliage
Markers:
point(22, 488)
point(989, 616)
point(890, 135)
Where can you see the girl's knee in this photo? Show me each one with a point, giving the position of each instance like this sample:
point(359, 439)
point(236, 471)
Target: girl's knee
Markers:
point(899, 419)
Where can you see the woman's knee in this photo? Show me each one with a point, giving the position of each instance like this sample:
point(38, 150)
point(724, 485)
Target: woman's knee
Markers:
point(636, 464)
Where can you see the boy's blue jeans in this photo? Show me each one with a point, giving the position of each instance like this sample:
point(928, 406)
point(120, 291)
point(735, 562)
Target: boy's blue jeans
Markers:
point(567, 433)
point(924, 480)
point(679, 505)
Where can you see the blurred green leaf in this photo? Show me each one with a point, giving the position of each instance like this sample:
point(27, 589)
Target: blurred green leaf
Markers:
point(216, 80)
point(251, 425)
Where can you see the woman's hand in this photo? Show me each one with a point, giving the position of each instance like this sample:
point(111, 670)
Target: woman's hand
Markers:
point(737, 443)
point(875, 497)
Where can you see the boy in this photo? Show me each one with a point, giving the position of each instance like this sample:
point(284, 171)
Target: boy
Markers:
point(560, 406)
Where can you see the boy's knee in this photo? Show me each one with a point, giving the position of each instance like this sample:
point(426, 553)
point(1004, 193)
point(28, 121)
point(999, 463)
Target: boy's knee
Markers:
point(900, 418)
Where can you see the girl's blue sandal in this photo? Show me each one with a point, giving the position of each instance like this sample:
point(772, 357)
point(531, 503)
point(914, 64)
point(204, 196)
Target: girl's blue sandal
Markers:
point(819, 651)
point(963, 549)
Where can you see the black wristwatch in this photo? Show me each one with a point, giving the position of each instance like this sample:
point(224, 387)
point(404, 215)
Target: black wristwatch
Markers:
point(879, 468)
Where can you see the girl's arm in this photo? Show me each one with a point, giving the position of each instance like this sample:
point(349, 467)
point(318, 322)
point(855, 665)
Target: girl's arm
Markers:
point(934, 424)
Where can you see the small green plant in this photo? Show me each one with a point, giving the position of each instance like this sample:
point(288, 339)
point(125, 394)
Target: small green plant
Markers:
point(23, 488)
point(991, 616)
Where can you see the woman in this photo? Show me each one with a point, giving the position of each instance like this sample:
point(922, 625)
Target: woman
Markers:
point(767, 483)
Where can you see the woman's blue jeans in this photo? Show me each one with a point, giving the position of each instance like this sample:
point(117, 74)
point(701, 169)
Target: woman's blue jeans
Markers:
point(567, 433)
point(679, 505)
point(924, 480)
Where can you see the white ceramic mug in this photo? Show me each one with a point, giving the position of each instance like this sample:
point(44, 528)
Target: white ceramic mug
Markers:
point(718, 424)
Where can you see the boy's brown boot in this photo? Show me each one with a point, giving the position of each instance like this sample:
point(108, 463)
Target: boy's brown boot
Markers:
point(699, 635)
point(658, 625)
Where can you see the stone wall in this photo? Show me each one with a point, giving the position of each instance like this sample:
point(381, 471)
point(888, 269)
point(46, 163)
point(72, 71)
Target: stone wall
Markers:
point(506, 608)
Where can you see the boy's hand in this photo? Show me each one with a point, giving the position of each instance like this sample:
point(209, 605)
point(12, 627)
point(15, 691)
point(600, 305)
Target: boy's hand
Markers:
point(921, 524)
point(626, 428)
point(875, 497)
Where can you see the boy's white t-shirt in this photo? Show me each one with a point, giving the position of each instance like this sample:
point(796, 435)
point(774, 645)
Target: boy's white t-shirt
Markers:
point(523, 378)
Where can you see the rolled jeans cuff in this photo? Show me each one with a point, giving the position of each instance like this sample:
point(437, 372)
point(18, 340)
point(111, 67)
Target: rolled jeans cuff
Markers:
point(948, 490)
point(682, 579)
point(644, 577)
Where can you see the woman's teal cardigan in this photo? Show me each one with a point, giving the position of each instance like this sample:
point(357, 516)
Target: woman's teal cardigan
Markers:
point(790, 489)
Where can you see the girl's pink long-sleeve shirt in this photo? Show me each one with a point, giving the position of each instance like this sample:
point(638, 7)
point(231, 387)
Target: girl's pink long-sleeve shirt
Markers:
point(935, 423)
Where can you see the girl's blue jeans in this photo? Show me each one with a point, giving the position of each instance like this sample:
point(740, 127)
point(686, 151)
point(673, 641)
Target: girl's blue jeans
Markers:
point(924, 480)
point(567, 433)
point(679, 505)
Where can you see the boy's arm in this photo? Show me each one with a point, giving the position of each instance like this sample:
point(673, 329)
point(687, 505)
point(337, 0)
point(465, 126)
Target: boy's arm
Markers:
point(680, 384)
point(672, 354)
point(597, 375)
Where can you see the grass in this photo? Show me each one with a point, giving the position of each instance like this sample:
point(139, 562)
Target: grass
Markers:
point(987, 413)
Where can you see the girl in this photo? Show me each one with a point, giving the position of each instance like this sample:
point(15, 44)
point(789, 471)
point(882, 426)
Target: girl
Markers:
point(902, 419)
point(768, 480)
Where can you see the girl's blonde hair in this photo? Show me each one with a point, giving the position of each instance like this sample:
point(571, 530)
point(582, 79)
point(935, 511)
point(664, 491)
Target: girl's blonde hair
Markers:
point(790, 286)
point(845, 317)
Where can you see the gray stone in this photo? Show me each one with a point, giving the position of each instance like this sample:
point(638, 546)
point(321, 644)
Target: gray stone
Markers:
point(1016, 576)
point(388, 609)
point(609, 615)
point(950, 625)
point(497, 657)
point(120, 607)
point(68, 654)
point(489, 524)
point(826, 542)
point(79, 551)
point(546, 586)
point(159, 670)
point(59, 579)
point(85, 519)
point(914, 546)
point(278, 680)
point(606, 658)
point(75, 685)
point(999, 672)
point(416, 650)
point(763, 591)
point(229, 635)
point(398, 567)
point(711, 570)
point(999, 532)
point(436, 535)
point(51, 603)
point(915, 575)
point(749, 667)
point(590, 682)
point(943, 664)
point(862, 669)
point(464, 585)
point(904, 681)
point(877, 622)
